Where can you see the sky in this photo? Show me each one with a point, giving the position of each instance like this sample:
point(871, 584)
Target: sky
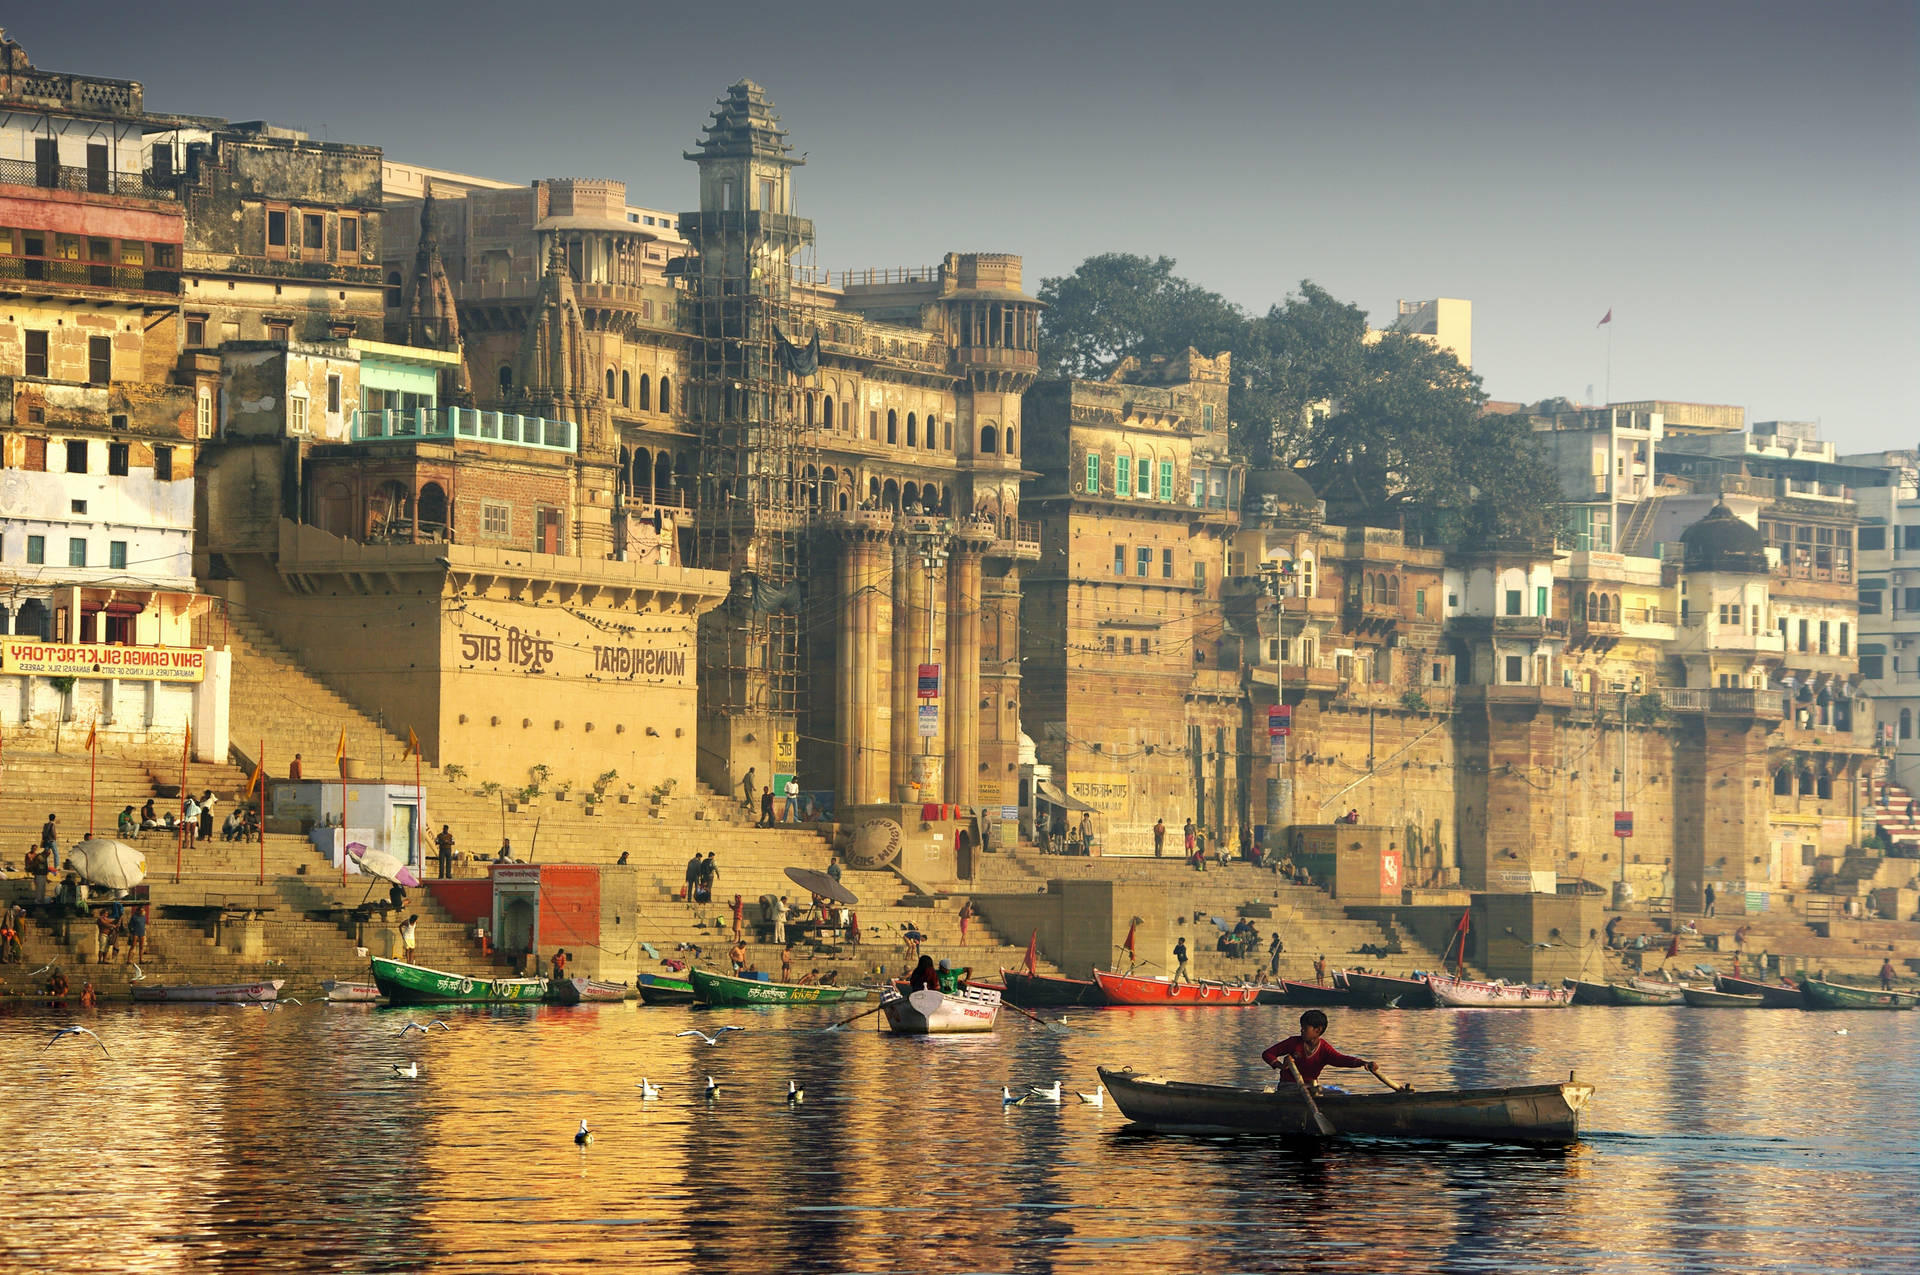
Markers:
point(1739, 183)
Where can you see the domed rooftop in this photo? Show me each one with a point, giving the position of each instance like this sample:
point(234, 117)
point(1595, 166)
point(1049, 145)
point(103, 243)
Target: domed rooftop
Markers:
point(1284, 485)
point(1722, 542)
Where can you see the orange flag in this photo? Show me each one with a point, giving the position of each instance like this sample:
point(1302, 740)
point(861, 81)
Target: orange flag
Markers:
point(413, 745)
point(91, 736)
point(340, 749)
point(253, 780)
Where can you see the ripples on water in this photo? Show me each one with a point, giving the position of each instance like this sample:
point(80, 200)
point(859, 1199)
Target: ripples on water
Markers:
point(250, 1140)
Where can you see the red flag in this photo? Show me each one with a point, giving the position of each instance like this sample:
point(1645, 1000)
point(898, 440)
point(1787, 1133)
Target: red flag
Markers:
point(1128, 945)
point(1033, 953)
point(1605, 319)
point(1462, 927)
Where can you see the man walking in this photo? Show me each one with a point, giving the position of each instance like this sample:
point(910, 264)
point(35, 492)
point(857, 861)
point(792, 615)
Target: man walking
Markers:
point(50, 842)
point(766, 808)
point(693, 876)
point(746, 789)
point(445, 843)
point(1708, 910)
point(1180, 958)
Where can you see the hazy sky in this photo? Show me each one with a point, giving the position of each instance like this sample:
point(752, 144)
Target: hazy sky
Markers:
point(1738, 182)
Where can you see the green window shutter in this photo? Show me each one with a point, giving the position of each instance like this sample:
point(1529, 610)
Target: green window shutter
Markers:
point(1123, 475)
point(1093, 475)
point(1166, 480)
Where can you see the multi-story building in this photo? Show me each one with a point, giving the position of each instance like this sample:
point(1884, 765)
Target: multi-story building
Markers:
point(1888, 544)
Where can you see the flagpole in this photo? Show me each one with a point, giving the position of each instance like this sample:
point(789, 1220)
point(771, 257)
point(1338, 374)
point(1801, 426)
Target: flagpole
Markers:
point(340, 764)
point(1609, 397)
point(93, 771)
point(260, 769)
point(180, 832)
point(419, 815)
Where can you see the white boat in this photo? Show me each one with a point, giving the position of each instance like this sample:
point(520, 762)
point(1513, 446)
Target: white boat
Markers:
point(1462, 993)
point(928, 1012)
point(217, 993)
point(342, 990)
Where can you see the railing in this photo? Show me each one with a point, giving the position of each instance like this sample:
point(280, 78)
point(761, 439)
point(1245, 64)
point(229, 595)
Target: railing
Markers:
point(448, 423)
point(89, 274)
point(896, 274)
point(85, 181)
point(1529, 624)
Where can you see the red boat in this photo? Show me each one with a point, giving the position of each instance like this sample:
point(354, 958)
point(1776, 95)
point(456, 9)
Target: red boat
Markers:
point(1129, 989)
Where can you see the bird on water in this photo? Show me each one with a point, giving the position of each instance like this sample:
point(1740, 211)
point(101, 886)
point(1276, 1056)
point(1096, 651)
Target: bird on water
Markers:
point(584, 1136)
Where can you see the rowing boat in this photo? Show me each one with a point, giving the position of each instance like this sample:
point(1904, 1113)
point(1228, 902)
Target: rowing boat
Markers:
point(217, 993)
point(1131, 989)
point(574, 991)
point(928, 1012)
point(404, 984)
point(665, 989)
point(1540, 1114)
point(1711, 998)
point(337, 989)
point(1825, 995)
point(1639, 991)
point(1314, 995)
point(1772, 995)
point(1585, 993)
point(1034, 990)
point(726, 990)
point(1384, 991)
point(1461, 993)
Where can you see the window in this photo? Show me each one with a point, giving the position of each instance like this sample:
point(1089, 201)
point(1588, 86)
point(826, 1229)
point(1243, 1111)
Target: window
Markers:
point(1123, 475)
point(1540, 603)
point(76, 552)
point(36, 550)
point(1143, 561)
point(313, 231)
point(1870, 601)
point(349, 234)
point(1824, 649)
point(1166, 480)
point(276, 228)
point(117, 554)
point(1845, 636)
point(1200, 576)
point(1873, 667)
point(766, 195)
point(99, 360)
point(1206, 416)
point(203, 414)
point(333, 394)
point(163, 464)
point(1419, 601)
point(396, 292)
point(36, 354)
point(117, 459)
point(1730, 614)
point(496, 520)
point(1910, 537)
point(1126, 646)
point(1119, 560)
point(1513, 602)
point(1516, 668)
point(76, 455)
point(1873, 538)
point(1910, 601)
point(297, 414)
point(1093, 475)
point(279, 330)
point(873, 426)
point(196, 331)
point(1803, 635)
point(1166, 564)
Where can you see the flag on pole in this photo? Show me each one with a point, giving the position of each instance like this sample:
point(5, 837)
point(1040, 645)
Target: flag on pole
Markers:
point(413, 745)
point(1128, 945)
point(1033, 953)
point(253, 780)
point(1605, 318)
point(340, 749)
point(91, 737)
point(1462, 927)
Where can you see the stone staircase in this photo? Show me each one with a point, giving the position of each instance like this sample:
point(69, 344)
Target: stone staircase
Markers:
point(1890, 807)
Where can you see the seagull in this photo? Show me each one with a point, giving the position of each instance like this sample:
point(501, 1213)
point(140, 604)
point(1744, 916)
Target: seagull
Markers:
point(293, 1000)
point(1051, 1093)
point(75, 1030)
point(137, 975)
point(411, 1071)
point(427, 1030)
point(795, 1094)
point(1008, 1100)
point(713, 1089)
point(37, 973)
point(584, 1136)
point(1838, 1031)
point(648, 1090)
point(1098, 1098)
point(713, 1039)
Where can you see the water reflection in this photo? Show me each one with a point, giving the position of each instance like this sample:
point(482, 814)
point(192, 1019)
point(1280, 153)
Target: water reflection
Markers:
point(249, 1140)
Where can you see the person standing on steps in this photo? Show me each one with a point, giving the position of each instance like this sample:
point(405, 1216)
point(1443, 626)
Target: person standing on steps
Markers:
point(766, 808)
point(792, 812)
point(1708, 909)
point(190, 821)
point(1159, 837)
point(746, 789)
point(966, 916)
point(708, 874)
point(50, 842)
point(780, 921)
point(445, 844)
point(1273, 955)
point(693, 877)
point(1180, 958)
point(409, 937)
point(206, 814)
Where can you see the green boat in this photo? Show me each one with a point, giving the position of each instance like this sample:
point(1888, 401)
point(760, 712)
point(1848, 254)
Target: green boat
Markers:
point(665, 989)
point(726, 990)
point(404, 984)
point(1839, 996)
point(1639, 993)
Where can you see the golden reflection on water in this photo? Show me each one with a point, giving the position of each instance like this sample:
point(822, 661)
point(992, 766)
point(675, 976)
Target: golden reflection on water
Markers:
point(239, 1139)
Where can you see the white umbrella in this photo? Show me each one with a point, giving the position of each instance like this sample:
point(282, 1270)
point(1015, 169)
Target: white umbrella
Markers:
point(113, 865)
point(379, 863)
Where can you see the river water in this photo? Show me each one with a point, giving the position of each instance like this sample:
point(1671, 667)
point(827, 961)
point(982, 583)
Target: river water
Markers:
point(242, 1139)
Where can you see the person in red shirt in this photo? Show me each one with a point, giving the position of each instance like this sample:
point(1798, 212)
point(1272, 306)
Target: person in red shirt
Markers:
point(1310, 1053)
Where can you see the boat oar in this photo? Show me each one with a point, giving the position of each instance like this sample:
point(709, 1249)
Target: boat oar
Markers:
point(1320, 1123)
point(1389, 1084)
point(843, 1022)
point(1059, 1029)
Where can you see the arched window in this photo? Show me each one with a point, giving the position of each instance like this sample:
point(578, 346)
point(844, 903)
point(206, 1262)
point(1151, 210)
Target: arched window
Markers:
point(1783, 782)
point(612, 387)
point(646, 392)
point(913, 430)
point(947, 433)
point(1015, 451)
point(893, 426)
point(643, 474)
point(890, 495)
point(506, 378)
point(666, 395)
point(434, 511)
point(626, 389)
point(1806, 783)
point(826, 412)
point(989, 440)
point(1823, 785)
point(933, 432)
point(910, 497)
point(809, 411)
point(394, 291)
point(1309, 578)
point(1393, 591)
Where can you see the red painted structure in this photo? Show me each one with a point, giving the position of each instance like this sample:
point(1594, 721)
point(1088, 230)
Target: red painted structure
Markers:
point(1122, 989)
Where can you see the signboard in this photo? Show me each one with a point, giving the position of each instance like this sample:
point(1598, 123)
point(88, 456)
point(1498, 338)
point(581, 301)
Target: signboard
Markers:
point(929, 681)
point(786, 761)
point(1623, 823)
point(1107, 793)
point(30, 656)
point(1280, 721)
point(929, 720)
point(1390, 873)
point(1010, 814)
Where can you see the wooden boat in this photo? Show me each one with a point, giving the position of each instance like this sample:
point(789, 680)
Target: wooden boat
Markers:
point(1640, 991)
point(666, 989)
point(726, 990)
point(1772, 995)
point(1824, 995)
point(1384, 991)
point(341, 990)
point(928, 1013)
point(1131, 989)
point(1462, 993)
point(1585, 993)
point(1711, 998)
point(1314, 995)
point(574, 991)
point(1037, 990)
point(1270, 994)
point(1541, 1114)
point(215, 993)
point(404, 984)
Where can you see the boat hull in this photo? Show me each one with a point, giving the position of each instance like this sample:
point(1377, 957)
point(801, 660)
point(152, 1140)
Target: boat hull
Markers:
point(1711, 998)
point(1383, 991)
point(1314, 995)
point(931, 1013)
point(1126, 989)
point(1045, 991)
point(1455, 993)
point(1647, 994)
point(1823, 995)
point(1536, 1114)
point(214, 993)
point(1772, 995)
point(1585, 993)
point(576, 991)
point(664, 989)
point(404, 984)
point(351, 993)
point(726, 991)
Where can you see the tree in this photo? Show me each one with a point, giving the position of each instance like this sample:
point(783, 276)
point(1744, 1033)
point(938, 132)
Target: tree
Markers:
point(1118, 306)
point(1289, 366)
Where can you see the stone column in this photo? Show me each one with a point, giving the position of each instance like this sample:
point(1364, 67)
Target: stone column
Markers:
point(864, 660)
point(962, 691)
point(909, 636)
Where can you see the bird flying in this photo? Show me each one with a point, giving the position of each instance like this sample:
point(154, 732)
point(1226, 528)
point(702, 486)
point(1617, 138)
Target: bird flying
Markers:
point(648, 1090)
point(411, 1071)
point(1051, 1092)
point(584, 1136)
point(75, 1030)
point(713, 1039)
point(416, 1027)
point(137, 975)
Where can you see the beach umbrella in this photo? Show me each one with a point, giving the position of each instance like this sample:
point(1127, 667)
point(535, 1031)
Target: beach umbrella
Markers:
point(821, 884)
point(379, 863)
point(114, 865)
